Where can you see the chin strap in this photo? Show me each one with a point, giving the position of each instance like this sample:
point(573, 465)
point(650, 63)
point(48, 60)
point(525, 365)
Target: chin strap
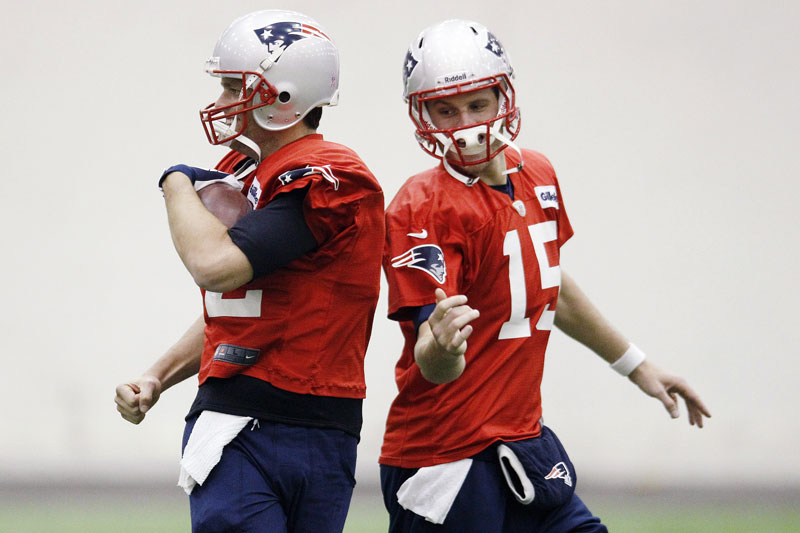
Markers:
point(508, 142)
point(224, 130)
point(247, 143)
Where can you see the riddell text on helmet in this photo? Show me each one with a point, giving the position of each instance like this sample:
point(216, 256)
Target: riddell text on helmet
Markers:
point(455, 78)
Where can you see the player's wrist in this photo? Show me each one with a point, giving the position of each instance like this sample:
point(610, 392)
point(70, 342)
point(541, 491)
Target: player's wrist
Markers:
point(172, 180)
point(630, 361)
point(151, 380)
point(185, 170)
point(195, 175)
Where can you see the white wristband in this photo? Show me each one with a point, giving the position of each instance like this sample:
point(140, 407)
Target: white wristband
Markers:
point(629, 361)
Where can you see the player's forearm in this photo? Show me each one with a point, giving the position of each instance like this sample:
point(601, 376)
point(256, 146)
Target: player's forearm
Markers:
point(580, 319)
point(182, 360)
point(201, 240)
point(435, 363)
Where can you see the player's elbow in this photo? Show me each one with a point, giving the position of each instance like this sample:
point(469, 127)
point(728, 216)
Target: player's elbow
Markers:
point(214, 284)
point(219, 273)
point(209, 279)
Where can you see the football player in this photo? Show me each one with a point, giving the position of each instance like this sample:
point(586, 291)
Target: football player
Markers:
point(289, 291)
point(472, 263)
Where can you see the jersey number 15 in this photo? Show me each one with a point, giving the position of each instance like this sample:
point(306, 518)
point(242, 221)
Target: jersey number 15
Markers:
point(518, 325)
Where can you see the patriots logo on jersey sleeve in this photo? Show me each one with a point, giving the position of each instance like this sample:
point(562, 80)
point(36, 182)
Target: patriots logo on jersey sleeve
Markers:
point(281, 35)
point(425, 257)
point(298, 173)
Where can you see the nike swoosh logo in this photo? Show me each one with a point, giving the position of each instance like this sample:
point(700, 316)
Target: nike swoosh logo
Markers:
point(421, 235)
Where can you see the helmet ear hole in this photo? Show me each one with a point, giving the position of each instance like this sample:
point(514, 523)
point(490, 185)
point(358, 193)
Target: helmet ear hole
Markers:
point(284, 97)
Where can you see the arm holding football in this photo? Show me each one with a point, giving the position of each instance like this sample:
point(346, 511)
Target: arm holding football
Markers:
point(442, 339)
point(201, 240)
point(276, 234)
point(580, 319)
point(180, 362)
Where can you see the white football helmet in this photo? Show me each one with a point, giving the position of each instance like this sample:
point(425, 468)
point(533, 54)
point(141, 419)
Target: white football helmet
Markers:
point(288, 66)
point(457, 57)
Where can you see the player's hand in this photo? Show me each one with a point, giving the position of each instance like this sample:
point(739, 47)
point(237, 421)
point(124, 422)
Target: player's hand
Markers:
point(449, 322)
point(666, 387)
point(200, 177)
point(135, 398)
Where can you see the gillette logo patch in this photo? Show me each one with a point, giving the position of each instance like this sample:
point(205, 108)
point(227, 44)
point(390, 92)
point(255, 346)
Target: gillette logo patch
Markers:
point(254, 193)
point(547, 196)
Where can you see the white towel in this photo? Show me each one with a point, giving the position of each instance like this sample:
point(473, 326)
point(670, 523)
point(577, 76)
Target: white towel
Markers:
point(430, 492)
point(210, 434)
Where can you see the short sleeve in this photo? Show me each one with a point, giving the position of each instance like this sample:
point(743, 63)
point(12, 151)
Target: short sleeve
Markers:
point(275, 235)
point(332, 198)
point(565, 231)
point(421, 254)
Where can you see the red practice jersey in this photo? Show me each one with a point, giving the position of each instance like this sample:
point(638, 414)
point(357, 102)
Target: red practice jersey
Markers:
point(504, 256)
point(310, 321)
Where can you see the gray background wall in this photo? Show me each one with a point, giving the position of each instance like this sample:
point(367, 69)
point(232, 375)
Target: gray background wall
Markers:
point(673, 127)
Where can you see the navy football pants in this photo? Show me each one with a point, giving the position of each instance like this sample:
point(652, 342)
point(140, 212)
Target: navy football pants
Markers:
point(485, 505)
point(277, 478)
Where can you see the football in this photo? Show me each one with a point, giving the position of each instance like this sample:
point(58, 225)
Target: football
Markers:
point(224, 202)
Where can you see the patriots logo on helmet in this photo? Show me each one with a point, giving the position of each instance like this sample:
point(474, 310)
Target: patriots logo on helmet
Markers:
point(560, 471)
point(408, 65)
point(496, 47)
point(281, 35)
point(324, 171)
point(426, 257)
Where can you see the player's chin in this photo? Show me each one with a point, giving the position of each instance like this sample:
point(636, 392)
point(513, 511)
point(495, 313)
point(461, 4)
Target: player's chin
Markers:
point(466, 167)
